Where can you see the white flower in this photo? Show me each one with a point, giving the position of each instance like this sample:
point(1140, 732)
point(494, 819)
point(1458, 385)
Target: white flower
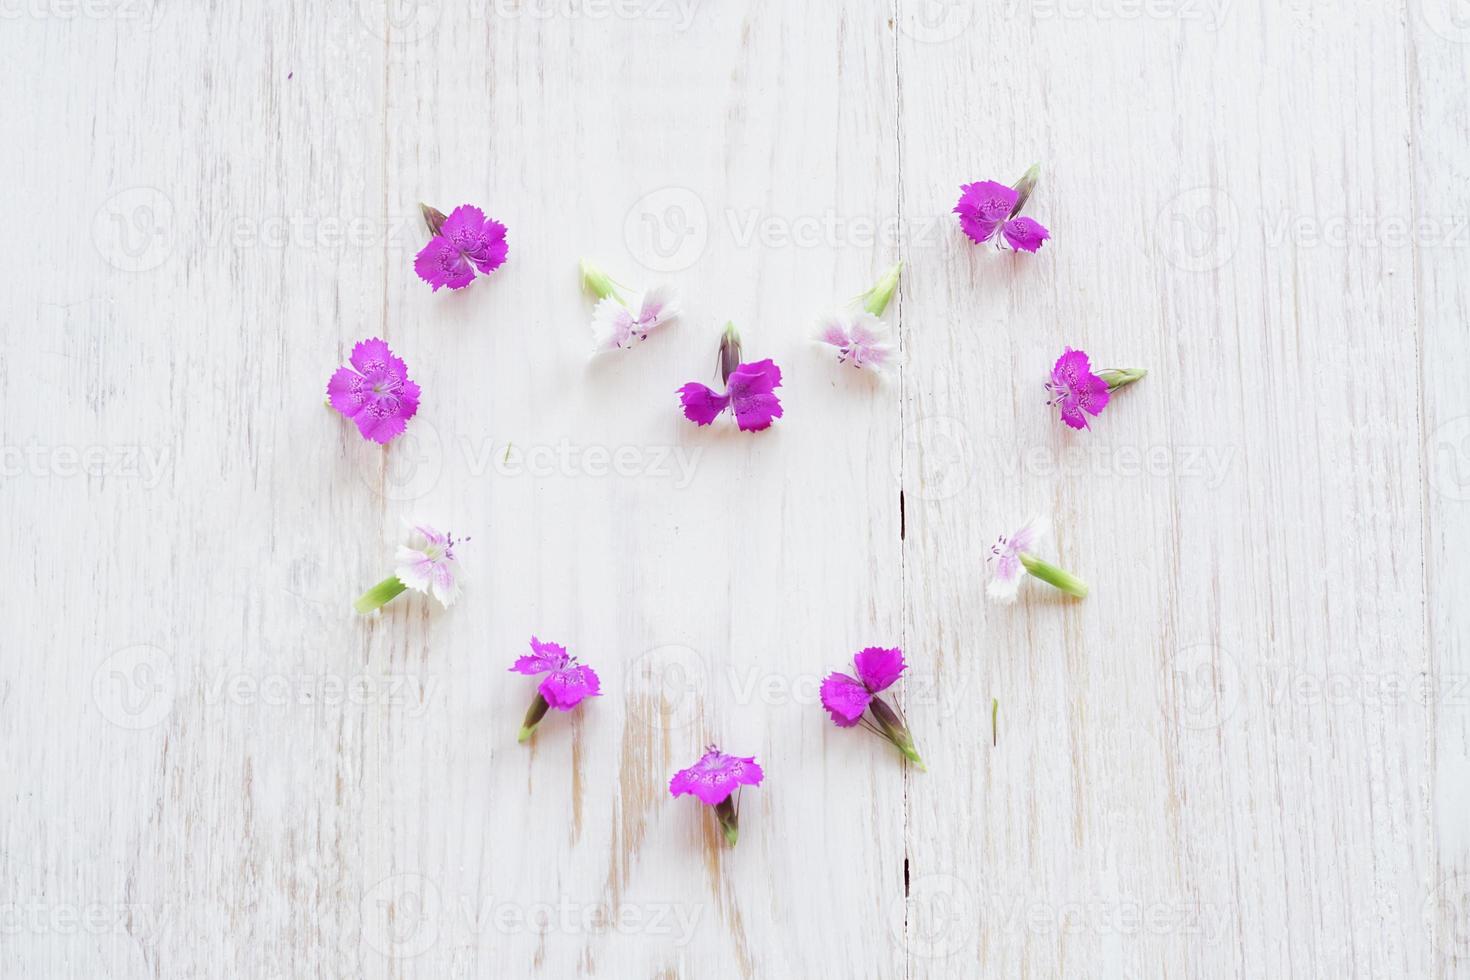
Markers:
point(618, 326)
point(861, 340)
point(429, 568)
point(1005, 579)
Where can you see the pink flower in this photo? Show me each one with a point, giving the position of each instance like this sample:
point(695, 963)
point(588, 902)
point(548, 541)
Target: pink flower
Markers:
point(713, 779)
point(1013, 556)
point(464, 242)
point(426, 565)
point(375, 392)
point(1075, 389)
point(566, 685)
point(861, 340)
point(986, 207)
point(615, 326)
point(1024, 234)
point(749, 389)
point(430, 567)
point(848, 698)
point(750, 393)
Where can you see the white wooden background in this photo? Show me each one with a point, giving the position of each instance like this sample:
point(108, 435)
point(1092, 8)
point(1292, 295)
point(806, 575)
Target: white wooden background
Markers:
point(1245, 755)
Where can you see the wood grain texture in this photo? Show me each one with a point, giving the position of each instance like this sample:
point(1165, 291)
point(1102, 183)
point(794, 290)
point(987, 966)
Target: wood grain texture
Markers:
point(1244, 754)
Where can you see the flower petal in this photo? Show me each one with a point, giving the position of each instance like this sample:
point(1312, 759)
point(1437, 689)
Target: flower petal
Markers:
point(440, 264)
point(1025, 234)
point(702, 405)
point(879, 667)
point(752, 397)
point(845, 699)
point(567, 688)
point(347, 391)
point(612, 325)
point(543, 657)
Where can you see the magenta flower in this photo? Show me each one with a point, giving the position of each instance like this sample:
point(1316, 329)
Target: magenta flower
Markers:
point(375, 391)
point(1075, 389)
point(847, 698)
point(749, 390)
point(464, 242)
point(713, 779)
point(566, 685)
point(986, 207)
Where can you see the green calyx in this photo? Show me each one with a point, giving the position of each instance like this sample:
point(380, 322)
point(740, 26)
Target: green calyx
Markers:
point(1024, 187)
point(875, 300)
point(1121, 377)
point(1053, 576)
point(379, 595)
point(597, 282)
point(534, 714)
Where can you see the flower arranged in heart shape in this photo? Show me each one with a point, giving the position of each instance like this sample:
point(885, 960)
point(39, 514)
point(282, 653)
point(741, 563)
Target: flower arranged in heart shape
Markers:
point(618, 325)
point(986, 207)
point(463, 243)
point(850, 700)
point(750, 390)
point(374, 391)
point(566, 684)
point(713, 780)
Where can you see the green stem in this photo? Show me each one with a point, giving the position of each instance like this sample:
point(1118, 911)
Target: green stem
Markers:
point(1052, 575)
point(1121, 377)
point(875, 300)
point(379, 595)
point(534, 714)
